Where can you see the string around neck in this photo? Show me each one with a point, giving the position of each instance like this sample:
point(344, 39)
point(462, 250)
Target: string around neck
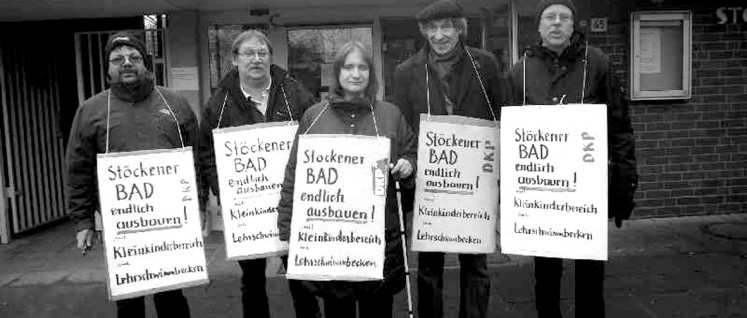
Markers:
point(287, 106)
point(373, 115)
point(222, 107)
point(178, 127)
point(482, 85)
point(524, 78)
point(108, 117)
point(428, 91)
point(586, 62)
point(317, 118)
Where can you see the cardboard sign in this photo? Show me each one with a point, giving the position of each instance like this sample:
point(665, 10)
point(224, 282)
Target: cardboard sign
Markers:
point(339, 199)
point(554, 187)
point(251, 164)
point(456, 192)
point(151, 221)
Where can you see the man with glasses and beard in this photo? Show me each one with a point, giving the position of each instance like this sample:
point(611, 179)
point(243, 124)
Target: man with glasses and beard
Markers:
point(134, 114)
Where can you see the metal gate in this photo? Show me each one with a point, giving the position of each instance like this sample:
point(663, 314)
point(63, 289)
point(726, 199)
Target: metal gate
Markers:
point(91, 60)
point(32, 142)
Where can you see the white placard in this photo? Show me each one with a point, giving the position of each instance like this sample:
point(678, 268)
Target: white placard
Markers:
point(251, 164)
point(456, 192)
point(554, 185)
point(339, 198)
point(151, 221)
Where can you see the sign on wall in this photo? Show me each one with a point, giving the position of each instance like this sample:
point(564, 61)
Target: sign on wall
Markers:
point(554, 181)
point(456, 192)
point(339, 198)
point(251, 164)
point(150, 214)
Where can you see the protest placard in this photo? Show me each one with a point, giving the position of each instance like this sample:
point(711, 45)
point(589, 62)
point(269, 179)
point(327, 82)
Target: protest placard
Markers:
point(251, 164)
point(339, 198)
point(456, 192)
point(150, 214)
point(554, 187)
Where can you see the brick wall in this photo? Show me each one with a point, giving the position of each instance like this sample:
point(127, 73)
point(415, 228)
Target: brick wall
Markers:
point(692, 154)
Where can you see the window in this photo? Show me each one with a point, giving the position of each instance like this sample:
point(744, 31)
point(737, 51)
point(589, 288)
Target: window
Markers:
point(660, 55)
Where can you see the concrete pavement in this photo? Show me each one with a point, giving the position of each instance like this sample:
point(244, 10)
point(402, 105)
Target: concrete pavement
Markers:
point(669, 267)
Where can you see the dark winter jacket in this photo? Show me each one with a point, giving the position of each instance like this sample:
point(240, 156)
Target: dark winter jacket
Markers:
point(285, 93)
point(134, 125)
point(551, 79)
point(468, 98)
point(354, 118)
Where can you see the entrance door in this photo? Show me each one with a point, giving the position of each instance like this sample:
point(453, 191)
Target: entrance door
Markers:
point(32, 142)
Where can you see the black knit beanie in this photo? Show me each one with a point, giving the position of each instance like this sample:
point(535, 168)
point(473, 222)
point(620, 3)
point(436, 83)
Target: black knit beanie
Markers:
point(543, 4)
point(126, 38)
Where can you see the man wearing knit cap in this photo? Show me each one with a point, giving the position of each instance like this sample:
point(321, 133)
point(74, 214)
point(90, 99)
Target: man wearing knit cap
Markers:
point(129, 116)
point(555, 72)
point(460, 80)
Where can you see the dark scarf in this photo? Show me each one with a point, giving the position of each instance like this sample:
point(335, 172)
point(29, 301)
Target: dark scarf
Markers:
point(135, 92)
point(443, 63)
point(355, 105)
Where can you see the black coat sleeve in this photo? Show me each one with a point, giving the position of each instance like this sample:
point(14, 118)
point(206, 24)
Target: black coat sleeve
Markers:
point(623, 178)
point(80, 172)
point(208, 171)
point(402, 82)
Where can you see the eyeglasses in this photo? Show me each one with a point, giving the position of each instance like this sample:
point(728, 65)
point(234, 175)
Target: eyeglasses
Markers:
point(119, 60)
point(259, 54)
point(551, 18)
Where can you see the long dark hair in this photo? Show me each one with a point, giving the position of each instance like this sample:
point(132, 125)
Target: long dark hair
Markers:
point(373, 83)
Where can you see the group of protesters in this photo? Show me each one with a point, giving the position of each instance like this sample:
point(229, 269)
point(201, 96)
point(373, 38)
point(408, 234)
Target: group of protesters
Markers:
point(445, 77)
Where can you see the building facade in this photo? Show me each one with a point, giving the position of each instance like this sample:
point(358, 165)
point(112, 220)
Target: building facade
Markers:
point(683, 62)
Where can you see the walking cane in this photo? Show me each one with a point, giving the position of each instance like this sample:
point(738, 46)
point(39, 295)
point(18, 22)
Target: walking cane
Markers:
point(404, 249)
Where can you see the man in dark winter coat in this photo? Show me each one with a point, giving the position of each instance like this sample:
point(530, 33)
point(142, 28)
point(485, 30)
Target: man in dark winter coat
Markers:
point(255, 91)
point(447, 77)
point(556, 71)
point(129, 116)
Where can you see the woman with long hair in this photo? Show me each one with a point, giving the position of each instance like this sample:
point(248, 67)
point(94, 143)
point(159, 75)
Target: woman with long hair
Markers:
point(352, 108)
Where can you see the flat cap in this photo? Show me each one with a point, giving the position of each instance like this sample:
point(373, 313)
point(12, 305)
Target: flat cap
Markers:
point(440, 9)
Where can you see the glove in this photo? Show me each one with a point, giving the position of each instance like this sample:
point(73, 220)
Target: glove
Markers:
point(621, 194)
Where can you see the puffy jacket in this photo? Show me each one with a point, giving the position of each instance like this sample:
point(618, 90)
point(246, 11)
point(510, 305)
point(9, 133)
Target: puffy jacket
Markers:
point(355, 118)
point(134, 125)
point(239, 111)
point(551, 79)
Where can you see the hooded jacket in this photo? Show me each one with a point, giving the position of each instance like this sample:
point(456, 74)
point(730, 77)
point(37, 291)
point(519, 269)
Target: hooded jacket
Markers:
point(142, 123)
point(354, 117)
point(288, 100)
point(552, 79)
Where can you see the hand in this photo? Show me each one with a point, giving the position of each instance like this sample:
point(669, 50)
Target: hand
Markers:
point(401, 170)
point(85, 240)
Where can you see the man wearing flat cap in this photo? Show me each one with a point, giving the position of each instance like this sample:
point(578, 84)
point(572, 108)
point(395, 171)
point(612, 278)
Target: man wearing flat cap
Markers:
point(555, 71)
point(448, 77)
point(133, 114)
